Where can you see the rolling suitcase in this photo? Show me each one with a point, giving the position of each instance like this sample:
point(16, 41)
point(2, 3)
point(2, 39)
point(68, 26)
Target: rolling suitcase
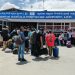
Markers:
point(44, 51)
point(55, 52)
point(1, 43)
point(15, 51)
point(68, 44)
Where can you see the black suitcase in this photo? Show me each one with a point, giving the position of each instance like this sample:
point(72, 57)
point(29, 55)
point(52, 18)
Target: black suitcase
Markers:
point(15, 51)
point(43, 51)
point(40, 52)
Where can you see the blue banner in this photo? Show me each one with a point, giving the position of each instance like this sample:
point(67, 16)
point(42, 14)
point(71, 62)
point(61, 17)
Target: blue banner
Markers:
point(38, 15)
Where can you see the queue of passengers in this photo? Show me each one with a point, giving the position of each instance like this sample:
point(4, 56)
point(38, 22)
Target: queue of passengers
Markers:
point(25, 39)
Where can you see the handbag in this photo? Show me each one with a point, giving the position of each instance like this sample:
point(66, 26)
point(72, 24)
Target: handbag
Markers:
point(44, 50)
point(18, 40)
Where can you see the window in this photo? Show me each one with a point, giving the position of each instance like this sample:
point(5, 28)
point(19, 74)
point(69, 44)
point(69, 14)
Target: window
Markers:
point(49, 23)
point(41, 23)
point(57, 23)
point(0, 27)
point(4, 22)
point(0, 22)
point(66, 23)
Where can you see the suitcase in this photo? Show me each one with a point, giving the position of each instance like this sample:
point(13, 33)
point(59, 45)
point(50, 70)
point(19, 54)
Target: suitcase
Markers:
point(44, 51)
point(10, 46)
point(15, 51)
point(1, 43)
point(68, 44)
point(7, 50)
point(40, 52)
point(55, 52)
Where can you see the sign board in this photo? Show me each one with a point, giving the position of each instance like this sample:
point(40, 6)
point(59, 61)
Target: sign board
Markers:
point(38, 15)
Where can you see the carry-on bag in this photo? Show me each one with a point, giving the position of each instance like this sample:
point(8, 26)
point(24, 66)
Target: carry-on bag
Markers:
point(15, 51)
point(55, 51)
point(43, 51)
point(68, 44)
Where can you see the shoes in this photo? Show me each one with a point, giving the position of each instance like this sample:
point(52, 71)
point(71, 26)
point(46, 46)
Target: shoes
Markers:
point(19, 59)
point(24, 60)
point(3, 49)
point(50, 57)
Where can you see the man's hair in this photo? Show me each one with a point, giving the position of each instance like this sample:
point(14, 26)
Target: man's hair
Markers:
point(21, 28)
point(4, 26)
point(50, 31)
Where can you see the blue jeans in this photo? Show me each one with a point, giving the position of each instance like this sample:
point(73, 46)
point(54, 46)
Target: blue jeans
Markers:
point(21, 51)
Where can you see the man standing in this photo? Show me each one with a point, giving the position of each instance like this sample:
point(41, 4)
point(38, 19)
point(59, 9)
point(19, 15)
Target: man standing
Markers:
point(69, 35)
point(73, 37)
point(21, 45)
point(5, 36)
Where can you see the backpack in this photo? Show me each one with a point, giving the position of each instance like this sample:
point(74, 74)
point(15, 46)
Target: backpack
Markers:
point(18, 40)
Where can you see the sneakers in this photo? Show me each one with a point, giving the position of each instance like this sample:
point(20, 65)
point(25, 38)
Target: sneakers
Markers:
point(19, 59)
point(50, 57)
point(22, 59)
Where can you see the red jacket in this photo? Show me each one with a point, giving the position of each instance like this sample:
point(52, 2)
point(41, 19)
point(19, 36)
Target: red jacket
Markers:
point(50, 39)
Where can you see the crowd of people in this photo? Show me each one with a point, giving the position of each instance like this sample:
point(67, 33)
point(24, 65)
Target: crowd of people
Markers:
point(68, 37)
point(38, 42)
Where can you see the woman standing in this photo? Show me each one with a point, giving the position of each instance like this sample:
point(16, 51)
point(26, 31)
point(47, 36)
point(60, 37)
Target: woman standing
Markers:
point(61, 39)
point(50, 40)
point(5, 36)
point(36, 43)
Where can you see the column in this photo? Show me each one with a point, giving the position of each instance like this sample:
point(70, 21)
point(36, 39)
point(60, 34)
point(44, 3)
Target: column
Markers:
point(61, 26)
point(45, 25)
point(37, 25)
point(2, 24)
point(70, 25)
point(53, 27)
point(6, 23)
point(64, 26)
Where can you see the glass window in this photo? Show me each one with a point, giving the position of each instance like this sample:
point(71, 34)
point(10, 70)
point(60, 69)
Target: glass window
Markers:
point(66, 23)
point(49, 23)
point(0, 22)
point(41, 23)
point(4, 22)
point(0, 27)
point(57, 23)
